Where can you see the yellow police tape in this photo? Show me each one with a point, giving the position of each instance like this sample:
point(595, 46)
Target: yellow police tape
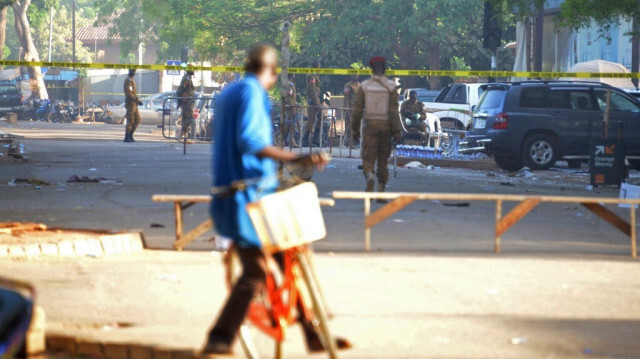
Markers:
point(320, 71)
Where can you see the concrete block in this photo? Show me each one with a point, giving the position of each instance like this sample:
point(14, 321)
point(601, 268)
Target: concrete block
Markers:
point(94, 247)
point(32, 250)
point(62, 344)
point(118, 246)
point(65, 249)
point(80, 247)
point(39, 319)
point(116, 351)
point(163, 354)
point(91, 349)
point(108, 247)
point(35, 342)
point(140, 352)
point(136, 242)
point(186, 355)
point(49, 249)
point(16, 251)
point(126, 244)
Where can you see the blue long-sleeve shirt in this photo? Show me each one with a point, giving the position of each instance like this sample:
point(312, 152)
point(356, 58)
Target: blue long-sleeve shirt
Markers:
point(241, 129)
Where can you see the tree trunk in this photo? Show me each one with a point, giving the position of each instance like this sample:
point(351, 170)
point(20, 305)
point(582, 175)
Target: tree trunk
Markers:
point(3, 28)
point(406, 57)
point(30, 53)
point(434, 65)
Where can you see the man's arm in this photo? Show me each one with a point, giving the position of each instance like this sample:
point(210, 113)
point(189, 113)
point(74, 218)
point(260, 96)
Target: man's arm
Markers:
point(358, 109)
point(394, 118)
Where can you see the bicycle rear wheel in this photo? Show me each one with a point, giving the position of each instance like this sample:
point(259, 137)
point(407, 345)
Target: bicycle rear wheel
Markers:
point(318, 308)
point(247, 333)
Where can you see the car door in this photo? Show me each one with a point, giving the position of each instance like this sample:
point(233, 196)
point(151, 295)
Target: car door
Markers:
point(572, 111)
point(624, 110)
point(149, 115)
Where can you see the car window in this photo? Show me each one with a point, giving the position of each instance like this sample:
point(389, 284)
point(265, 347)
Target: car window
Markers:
point(8, 89)
point(492, 98)
point(570, 99)
point(533, 97)
point(480, 91)
point(443, 94)
point(619, 102)
point(459, 95)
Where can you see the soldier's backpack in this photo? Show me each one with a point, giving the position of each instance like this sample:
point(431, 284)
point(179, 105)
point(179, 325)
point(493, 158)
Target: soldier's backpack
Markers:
point(376, 98)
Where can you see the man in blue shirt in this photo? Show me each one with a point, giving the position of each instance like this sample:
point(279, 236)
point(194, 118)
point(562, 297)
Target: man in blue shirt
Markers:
point(243, 152)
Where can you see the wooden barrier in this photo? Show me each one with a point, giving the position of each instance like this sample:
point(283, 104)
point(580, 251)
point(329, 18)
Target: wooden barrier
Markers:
point(502, 222)
point(182, 202)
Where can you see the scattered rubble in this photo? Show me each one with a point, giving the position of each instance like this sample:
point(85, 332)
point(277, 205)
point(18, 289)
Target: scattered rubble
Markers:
point(87, 179)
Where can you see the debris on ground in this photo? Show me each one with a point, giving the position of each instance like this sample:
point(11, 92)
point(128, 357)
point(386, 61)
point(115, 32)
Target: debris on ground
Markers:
point(508, 184)
point(157, 225)
point(519, 340)
point(28, 182)
point(87, 179)
point(416, 164)
point(459, 204)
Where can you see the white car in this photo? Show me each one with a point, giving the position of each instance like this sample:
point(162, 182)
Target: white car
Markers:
point(455, 104)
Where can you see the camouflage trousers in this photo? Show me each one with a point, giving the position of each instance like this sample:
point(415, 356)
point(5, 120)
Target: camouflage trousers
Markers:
point(187, 117)
point(376, 148)
point(133, 117)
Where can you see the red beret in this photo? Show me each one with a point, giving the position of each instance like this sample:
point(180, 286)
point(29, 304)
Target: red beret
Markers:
point(377, 59)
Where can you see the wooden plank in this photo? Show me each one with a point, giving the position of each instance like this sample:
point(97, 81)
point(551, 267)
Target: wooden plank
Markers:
point(177, 207)
point(206, 198)
point(387, 210)
point(480, 197)
point(367, 230)
point(634, 237)
point(180, 198)
point(201, 229)
point(496, 247)
point(609, 216)
point(515, 215)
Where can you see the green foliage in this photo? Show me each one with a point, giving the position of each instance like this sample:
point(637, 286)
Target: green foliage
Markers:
point(62, 49)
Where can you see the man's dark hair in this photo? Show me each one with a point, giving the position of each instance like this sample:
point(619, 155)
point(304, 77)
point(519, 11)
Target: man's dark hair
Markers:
point(253, 64)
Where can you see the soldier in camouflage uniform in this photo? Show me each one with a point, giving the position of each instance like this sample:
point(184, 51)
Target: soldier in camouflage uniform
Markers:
point(413, 113)
point(131, 103)
point(314, 94)
point(377, 102)
point(290, 123)
point(186, 90)
point(350, 94)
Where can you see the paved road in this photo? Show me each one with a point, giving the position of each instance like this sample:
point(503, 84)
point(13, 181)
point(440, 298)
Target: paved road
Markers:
point(564, 285)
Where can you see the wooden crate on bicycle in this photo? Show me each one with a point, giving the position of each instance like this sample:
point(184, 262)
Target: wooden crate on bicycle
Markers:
point(289, 218)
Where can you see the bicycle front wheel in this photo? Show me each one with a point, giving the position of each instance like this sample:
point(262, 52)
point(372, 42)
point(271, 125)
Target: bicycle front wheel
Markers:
point(318, 308)
point(253, 345)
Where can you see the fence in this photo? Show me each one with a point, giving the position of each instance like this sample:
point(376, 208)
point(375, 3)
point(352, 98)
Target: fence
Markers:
point(330, 128)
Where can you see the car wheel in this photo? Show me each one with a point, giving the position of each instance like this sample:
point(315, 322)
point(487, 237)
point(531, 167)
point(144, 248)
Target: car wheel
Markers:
point(575, 164)
point(508, 163)
point(540, 151)
point(635, 164)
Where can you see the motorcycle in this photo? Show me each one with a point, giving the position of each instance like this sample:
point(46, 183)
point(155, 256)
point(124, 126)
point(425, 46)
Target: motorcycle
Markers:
point(38, 110)
point(59, 112)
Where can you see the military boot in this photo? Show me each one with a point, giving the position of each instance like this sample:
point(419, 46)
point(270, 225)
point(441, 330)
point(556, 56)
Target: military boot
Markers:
point(381, 188)
point(127, 137)
point(371, 181)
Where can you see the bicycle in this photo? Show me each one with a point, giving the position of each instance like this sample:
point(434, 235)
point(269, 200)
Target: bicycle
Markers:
point(286, 222)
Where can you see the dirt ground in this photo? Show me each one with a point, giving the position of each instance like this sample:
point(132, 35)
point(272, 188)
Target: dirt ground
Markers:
point(564, 287)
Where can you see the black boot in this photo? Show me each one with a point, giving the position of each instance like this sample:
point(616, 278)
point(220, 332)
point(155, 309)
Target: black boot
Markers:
point(131, 136)
point(127, 137)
